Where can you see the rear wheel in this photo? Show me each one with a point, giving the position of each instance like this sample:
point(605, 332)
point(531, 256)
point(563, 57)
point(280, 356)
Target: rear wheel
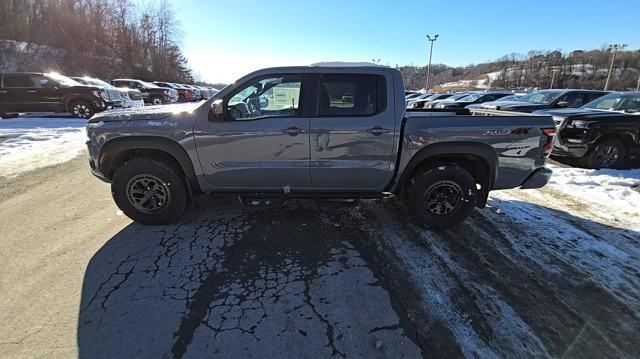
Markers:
point(155, 100)
point(442, 197)
point(609, 153)
point(81, 109)
point(150, 191)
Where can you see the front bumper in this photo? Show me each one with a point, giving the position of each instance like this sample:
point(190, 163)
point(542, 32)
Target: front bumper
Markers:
point(569, 151)
point(93, 162)
point(537, 179)
point(114, 104)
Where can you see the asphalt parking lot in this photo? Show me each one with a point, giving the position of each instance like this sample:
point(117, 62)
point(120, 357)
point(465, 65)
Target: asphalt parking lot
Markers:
point(309, 280)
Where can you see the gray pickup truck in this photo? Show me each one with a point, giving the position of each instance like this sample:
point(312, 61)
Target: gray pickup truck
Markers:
point(328, 131)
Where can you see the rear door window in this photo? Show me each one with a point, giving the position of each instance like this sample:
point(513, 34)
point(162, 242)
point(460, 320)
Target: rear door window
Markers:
point(352, 95)
point(17, 81)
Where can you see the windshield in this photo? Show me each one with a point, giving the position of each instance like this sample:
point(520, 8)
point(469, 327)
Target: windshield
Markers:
point(62, 80)
point(470, 98)
point(541, 97)
point(616, 102)
point(95, 82)
point(455, 97)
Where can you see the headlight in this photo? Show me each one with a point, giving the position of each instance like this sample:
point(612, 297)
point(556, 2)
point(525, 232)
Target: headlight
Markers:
point(101, 94)
point(578, 124)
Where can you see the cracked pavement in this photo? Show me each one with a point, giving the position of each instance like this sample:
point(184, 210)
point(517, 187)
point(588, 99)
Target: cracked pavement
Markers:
point(225, 282)
point(305, 280)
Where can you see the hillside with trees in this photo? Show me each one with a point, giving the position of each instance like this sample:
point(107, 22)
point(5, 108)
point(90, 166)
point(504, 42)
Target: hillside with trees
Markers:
point(102, 38)
point(577, 69)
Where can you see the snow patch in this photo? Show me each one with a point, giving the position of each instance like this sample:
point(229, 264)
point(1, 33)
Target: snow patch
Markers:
point(611, 193)
point(31, 143)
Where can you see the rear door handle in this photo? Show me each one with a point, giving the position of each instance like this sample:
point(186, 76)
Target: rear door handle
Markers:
point(31, 91)
point(292, 131)
point(377, 131)
point(3, 91)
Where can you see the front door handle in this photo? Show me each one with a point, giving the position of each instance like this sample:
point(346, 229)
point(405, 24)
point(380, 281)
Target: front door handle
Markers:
point(31, 91)
point(292, 131)
point(3, 91)
point(377, 131)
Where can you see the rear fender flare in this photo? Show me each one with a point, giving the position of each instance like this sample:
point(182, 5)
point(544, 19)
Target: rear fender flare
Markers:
point(451, 150)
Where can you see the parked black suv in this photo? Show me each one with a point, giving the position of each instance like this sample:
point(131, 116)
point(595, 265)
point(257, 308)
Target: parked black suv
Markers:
point(548, 99)
point(602, 133)
point(151, 93)
point(48, 92)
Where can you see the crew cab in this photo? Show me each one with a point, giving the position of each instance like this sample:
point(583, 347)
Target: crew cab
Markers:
point(294, 132)
point(151, 93)
point(601, 134)
point(547, 99)
point(48, 92)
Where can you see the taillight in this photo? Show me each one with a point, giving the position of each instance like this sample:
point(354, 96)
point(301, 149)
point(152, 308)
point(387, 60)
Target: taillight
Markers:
point(550, 133)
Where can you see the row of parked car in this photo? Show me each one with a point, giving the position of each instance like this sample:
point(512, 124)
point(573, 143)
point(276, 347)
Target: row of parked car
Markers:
point(599, 129)
point(83, 96)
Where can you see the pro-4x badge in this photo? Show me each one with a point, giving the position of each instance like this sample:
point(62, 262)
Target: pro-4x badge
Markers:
point(496, 132)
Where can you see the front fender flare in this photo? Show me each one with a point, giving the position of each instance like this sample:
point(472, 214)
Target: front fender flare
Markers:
point(111, 151)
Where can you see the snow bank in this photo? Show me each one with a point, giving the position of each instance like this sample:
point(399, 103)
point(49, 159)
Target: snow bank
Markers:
point(611, 193)
point(31, 143)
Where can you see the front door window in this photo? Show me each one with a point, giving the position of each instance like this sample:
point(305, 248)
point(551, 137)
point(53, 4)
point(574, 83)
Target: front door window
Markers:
point(269, 97)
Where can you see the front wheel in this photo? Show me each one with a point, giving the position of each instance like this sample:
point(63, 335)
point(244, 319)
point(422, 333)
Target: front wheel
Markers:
point(150, 191)
point(442, 197)
point(82, 109)
point(606, 154)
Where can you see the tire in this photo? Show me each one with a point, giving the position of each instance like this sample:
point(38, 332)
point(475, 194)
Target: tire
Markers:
point(162, 201)
point(442, 197)
point(609, 153)
point(155, 100)
point(81, 109)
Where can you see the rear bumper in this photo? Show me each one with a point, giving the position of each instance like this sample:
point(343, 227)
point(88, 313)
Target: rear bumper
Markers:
point(537, 179)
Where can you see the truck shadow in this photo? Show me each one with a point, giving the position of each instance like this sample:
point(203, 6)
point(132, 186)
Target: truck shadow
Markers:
point(231, 282)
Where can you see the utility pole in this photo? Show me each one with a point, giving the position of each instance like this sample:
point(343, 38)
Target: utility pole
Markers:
point(553, 77)
point(431, 40)
point(614, 49)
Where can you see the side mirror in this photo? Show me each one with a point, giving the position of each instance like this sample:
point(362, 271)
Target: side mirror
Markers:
point(217, 110)
point(563, 104)
point(263, 102)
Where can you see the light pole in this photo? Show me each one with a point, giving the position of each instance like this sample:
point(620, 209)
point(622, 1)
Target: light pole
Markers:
point(614, 49)
point(431, 40)
point(553, 77)
point(638, 85)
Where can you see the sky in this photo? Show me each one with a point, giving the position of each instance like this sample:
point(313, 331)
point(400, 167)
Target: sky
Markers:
point(224, 40)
